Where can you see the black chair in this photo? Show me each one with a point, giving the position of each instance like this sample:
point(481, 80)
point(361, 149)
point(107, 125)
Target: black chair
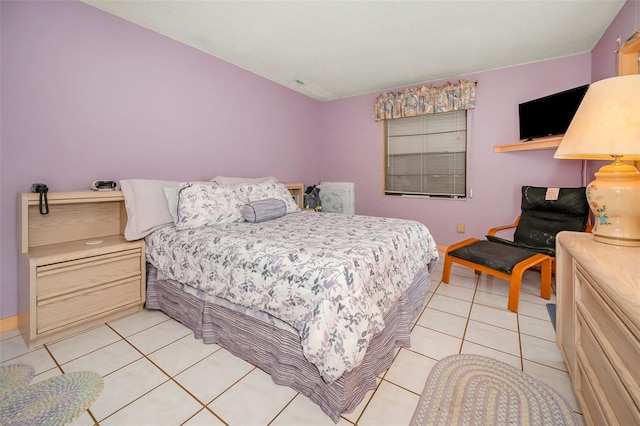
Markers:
point(544, 214)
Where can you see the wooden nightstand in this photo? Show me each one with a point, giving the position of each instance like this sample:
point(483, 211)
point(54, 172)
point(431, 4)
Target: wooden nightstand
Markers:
point(297, 192)
point(76, 270)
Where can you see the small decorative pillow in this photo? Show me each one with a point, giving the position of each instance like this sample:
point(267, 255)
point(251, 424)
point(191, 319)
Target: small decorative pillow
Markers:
point(279, 191)
point(263, 210)
point(206, 205)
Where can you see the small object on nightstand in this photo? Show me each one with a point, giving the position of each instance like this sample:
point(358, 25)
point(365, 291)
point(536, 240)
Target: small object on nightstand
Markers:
point(312, 198)
point(42, 189)
point(103, 185)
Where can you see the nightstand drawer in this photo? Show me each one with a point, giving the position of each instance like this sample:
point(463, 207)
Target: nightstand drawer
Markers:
point(60, 311)
point(66, 277)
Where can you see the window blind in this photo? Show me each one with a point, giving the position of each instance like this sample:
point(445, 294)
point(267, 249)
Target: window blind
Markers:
point(426, 155)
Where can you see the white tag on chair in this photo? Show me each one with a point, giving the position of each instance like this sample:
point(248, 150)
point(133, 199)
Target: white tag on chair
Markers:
point(552, 194)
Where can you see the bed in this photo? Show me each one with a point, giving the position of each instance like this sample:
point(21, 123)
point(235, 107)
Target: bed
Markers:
point(319, 301)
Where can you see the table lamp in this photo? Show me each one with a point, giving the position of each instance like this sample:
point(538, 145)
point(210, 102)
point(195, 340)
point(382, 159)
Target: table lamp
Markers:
point(607, 126)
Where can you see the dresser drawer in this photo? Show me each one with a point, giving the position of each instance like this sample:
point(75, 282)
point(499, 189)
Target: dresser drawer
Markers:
point(616, 340)
point(593, 413)
point(60, 311)
point(67, 277)
point(616, 400)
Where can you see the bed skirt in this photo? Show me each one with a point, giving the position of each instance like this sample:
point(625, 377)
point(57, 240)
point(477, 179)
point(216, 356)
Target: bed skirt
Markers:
point(279, 352)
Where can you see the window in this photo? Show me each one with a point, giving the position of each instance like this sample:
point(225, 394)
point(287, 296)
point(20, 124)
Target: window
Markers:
point(427, 155)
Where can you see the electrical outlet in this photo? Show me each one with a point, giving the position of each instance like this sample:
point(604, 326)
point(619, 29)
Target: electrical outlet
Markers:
point(460, 228)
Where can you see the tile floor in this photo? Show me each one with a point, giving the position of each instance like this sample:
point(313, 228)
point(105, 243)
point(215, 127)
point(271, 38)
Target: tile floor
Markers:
point(156, 373)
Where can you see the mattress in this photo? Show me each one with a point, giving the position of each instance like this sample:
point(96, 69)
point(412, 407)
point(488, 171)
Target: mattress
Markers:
point(331, 278)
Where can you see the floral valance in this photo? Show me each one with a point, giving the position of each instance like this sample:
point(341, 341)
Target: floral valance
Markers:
point(426, 100)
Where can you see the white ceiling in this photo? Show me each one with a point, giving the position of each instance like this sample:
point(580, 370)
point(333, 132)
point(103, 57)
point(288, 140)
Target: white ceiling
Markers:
point(334, 49)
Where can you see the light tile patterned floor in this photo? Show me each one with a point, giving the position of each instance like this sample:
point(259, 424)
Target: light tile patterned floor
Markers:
point(156, 373)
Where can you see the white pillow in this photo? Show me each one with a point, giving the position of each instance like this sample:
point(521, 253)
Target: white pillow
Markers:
point(278, 191)
point(205, 205)
point(226, 180)
point(146, 206)
point(171, 195)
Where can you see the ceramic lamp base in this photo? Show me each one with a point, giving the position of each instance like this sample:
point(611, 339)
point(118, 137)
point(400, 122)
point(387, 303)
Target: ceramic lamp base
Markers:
point(614, 198)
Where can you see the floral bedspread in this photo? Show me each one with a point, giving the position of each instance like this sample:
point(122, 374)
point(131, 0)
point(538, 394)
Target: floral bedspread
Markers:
point(330, 276)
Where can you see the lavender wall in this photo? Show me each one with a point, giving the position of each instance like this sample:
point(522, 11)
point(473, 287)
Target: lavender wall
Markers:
point(604, 56)
point(353, 151)
point(88, 96)
point(353, 142)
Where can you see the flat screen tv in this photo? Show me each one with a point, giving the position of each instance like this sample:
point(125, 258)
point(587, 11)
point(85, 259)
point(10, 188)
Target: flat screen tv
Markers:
point(550, 115)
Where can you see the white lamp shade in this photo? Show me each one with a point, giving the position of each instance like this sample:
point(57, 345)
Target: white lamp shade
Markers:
point(607, 122)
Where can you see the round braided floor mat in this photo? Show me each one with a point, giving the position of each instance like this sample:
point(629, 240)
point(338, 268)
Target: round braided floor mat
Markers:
point(55, 401)
point(14, 378)
point(470, 389)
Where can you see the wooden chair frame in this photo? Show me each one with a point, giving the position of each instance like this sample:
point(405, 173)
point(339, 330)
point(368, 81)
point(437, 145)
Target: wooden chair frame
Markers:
point(515, 279)
point(545, 262)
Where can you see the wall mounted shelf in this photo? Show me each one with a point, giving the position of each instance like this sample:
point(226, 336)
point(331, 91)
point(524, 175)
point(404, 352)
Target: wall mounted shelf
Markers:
point(628, 63)
point(542, 143)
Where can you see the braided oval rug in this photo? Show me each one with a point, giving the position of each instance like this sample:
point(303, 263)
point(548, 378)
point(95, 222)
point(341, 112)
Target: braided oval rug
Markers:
point(55, 401)
point(471, 389)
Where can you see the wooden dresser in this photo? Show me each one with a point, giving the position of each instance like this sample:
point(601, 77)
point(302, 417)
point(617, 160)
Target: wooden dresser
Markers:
point(76, 270)
point(598, 326)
